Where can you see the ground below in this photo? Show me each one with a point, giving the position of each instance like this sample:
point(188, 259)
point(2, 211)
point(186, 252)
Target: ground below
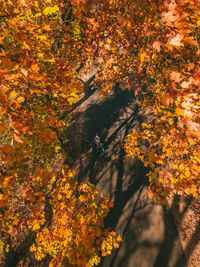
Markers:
point(150, 237)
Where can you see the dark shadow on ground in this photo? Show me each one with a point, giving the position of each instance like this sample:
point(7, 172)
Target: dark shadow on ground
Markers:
point(166, 248)
point(99, 118)
point(125, 182)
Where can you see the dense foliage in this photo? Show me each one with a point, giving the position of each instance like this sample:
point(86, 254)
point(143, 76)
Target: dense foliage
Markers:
point(151, 47)
point(40, 50)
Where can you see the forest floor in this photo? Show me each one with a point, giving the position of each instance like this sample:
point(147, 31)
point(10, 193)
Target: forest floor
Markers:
point(150, 237)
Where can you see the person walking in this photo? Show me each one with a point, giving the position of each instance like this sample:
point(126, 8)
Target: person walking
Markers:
point(96, 143)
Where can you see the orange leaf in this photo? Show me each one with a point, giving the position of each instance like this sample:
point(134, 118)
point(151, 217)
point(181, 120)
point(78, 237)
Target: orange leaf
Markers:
point(175, 76)
point(46, 27)
point(190, 40)
point(156, 46)
point(179, 111)
point(7, 63)
point(150, 194)
point(115, 245)
point(35, 67)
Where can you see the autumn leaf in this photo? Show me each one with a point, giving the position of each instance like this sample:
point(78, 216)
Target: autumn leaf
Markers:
point(176, 41)
point(116, 245)
point(35, 68)
point(46, 27)
point(179, 111)
point(40, 55)
point(20, 99)
point(119, 238)
point(24, 72)
point(166, 99)
point(51, 10)
point(13, 94)
point(190, 40)
point(157, 46)
point(175, 76)
point(186, 84)
point(142, 57)
point(81, 198)
point(6, 62)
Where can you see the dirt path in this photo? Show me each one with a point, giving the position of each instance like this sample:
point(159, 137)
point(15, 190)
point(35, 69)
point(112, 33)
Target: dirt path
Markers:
point(149, 234)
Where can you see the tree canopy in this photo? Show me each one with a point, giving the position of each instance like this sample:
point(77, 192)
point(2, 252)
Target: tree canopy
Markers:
point(150, 47)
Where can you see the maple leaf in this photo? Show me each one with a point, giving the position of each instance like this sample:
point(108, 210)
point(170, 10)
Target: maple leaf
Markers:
point(46, 27)
point(13, 94)
point(186, 84)
point(156, 45)
point(119, 238)
point(172, 15)
point(176, 40)
point(191, 66)
point(20, 99)
point(35, 68)
point(51, 10)
point(175, 76)
point(190, 40)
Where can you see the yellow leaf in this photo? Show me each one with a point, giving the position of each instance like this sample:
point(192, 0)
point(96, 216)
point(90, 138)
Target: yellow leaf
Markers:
point(36, 227)
point(41, 55)
point(33, 248)
point(57, 148)
point(52, 60)
point(174, 181)
point(169, 152)
point(20, 99)
point(51, 10)
point(46, 27)
point(108, 252)
point(1, 40)
point(26, 45)
point(7, 248)
point(179, 111)
point(13, 94)
point(142, 57)
point(42, 37)
point(38, 14)
point(72, 98)
point(1, 246)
